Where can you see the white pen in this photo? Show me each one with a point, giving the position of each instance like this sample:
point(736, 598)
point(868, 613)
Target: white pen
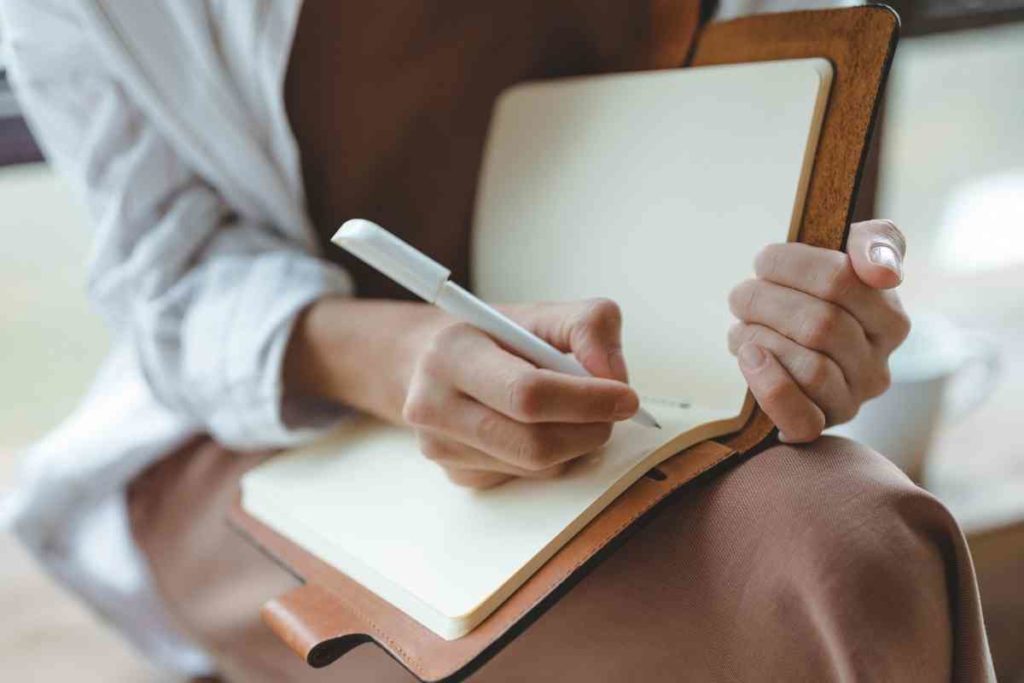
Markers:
point(428, 279)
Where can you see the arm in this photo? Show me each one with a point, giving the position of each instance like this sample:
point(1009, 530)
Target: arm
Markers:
point(239, 326)
point(206, 297)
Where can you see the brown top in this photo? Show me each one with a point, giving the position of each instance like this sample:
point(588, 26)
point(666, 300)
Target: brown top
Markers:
point(407, 155)
point(390, 102)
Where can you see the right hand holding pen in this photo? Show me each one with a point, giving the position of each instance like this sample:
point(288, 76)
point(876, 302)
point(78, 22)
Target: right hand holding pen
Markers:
point(486, 415)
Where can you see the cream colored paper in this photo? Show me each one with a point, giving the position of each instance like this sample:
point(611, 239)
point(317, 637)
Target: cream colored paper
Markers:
point(654, 189)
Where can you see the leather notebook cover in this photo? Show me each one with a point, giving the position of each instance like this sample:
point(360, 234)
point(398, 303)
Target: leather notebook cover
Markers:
point(330, 613)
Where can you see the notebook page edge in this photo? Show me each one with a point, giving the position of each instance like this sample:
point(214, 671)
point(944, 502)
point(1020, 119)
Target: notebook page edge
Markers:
point(451, 627)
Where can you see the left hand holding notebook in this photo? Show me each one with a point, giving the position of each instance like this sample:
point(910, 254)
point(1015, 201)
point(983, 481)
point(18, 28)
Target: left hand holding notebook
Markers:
point(817, 327)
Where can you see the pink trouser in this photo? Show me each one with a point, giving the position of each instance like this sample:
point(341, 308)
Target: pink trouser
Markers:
point(812, 563)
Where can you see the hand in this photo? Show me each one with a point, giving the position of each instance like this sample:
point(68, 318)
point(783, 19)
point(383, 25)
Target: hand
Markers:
point(817, 327)
point(482, 413)
point(486, 415)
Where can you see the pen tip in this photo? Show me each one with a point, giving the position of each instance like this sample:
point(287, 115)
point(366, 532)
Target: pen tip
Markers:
point(646, 419)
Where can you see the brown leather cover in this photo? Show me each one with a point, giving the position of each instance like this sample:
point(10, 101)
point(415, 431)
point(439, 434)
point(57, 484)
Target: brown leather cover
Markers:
point(330, 613)
point(859, 41)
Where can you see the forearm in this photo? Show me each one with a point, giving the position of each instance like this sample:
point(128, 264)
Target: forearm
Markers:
point(358, 352)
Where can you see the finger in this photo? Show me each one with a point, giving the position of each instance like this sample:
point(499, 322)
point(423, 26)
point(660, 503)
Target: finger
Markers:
point(829, 275)
point(799, 420)
point(533, 447)
point(476, 479)
point(877, 249)
point(591, 330)
point(453, 454)
point(516, 388)
point(817, 375)
point(807, 320)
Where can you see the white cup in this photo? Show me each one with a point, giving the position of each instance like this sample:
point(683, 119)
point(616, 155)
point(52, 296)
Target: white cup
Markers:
point(941, 372)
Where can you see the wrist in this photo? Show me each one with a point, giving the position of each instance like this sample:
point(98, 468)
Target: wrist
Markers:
point(360, 353)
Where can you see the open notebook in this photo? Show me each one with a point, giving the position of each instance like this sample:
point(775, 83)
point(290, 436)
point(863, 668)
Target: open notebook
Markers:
point(654, 189)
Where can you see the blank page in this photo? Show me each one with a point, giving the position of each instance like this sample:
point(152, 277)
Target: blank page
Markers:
point(367, 502)
point(652, 188)
point(656, 190)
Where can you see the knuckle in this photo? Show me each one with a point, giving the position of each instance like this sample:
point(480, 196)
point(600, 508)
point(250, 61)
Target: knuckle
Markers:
point(451, 334)
point(884, 379)
point(766, 262)
point(440, 341)
point(770, 262)
point(431, 364)
point(817, 370)
point(743, 298)
point(526, 395)
point(488, 429)
point(417, 409)
point(433, 361)
point(845, 413)
point(880, 381)
point(901, 326)
point(736, 336)
point(535, 451)
point(841, 278)
point(840, 408)
point(760, 335)
point(445, 342)
point(821, 324)
point(603, 311)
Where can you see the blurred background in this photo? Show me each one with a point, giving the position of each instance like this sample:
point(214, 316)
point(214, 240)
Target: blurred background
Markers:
point(948, 169)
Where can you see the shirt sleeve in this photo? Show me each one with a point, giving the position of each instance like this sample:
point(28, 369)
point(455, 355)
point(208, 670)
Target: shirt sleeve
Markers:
point(207, 298)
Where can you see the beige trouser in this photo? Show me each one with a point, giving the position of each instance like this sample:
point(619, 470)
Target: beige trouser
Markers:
point(809, 563)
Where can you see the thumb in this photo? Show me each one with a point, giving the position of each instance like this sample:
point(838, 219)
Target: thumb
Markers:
point(877, 249)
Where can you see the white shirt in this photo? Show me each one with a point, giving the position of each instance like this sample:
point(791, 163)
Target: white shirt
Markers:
point(168, 120)
point(167, 117)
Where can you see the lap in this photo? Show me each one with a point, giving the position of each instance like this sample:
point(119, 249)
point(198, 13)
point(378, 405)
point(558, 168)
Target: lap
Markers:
point(777, 562)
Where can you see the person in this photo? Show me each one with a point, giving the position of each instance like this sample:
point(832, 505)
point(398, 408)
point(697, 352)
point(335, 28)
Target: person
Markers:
point(815, 559)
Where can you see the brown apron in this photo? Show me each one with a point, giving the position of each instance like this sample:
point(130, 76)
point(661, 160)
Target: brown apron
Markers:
point(814, 563)
point(390, 102)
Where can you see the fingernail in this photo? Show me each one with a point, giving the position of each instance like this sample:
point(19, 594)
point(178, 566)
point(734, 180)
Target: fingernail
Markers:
point(783, 438)
point(752, 356)
point(617, 365)
point(885, 255)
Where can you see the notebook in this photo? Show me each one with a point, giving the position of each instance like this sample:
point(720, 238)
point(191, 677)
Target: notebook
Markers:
point(578, 197)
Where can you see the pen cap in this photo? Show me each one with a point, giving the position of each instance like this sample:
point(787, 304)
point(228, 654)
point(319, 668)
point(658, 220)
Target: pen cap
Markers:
point(404, 264)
